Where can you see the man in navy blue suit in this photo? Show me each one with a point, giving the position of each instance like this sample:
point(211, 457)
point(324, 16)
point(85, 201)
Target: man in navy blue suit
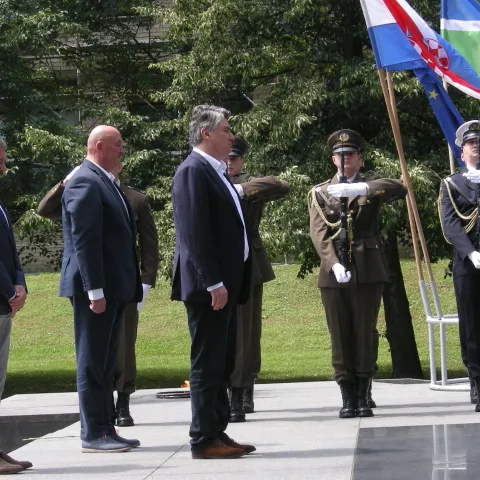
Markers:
point(100, 276)
point(13, 293)
point(210, 275)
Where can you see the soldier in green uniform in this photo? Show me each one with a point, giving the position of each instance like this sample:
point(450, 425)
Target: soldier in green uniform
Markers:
point(351, 294)
point(254, 193)
point(125, 368)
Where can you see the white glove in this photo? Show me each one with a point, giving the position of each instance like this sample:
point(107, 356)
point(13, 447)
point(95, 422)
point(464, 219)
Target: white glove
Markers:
point(473, 176)
point(146, 288)
point(475, 258)
point(71, 174)
point(340, 273)
point(347, 189)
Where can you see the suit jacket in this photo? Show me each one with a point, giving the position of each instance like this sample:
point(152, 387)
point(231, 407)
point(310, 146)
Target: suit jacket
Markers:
point(99, 238)
point(366, 249)
point(51, 207)
point(209, 237)
point(465, 200)
point(10, 270)
point(258, 191)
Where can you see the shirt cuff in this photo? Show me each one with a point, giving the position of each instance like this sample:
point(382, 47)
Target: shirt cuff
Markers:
point(145, 289)
point(239, 190)
point(96, 294)
point(14, 295)
point(213, 287)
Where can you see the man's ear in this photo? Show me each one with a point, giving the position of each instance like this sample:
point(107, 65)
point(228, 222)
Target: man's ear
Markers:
point(204, 132)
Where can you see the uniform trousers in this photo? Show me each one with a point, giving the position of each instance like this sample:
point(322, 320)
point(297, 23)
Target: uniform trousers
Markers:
point(249, 331)
point(352, 314)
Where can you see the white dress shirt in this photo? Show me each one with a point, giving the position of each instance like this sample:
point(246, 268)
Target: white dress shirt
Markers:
point(220, 167)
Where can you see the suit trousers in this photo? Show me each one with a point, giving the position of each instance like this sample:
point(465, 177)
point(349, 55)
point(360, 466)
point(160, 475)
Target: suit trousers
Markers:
point(249, 331)
point(352, 314)
point(126, 365)
point(468, 306)
point(96, 343)
point(212, 359)
point(5, 328)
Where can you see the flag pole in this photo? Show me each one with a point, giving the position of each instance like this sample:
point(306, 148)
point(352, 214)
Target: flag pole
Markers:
point(450, 153)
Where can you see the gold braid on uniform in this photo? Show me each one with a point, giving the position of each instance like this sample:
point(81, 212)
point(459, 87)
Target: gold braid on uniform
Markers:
point(471, 219)
point(312, 202)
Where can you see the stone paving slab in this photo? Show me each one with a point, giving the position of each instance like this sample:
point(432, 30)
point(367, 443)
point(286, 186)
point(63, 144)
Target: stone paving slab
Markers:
point(296, 430)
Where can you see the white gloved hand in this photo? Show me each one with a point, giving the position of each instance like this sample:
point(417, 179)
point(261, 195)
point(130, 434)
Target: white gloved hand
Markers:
point(475, 258)
point(146, 288)
point(71, 174)
point(347, 189)
point(340, 273)
point(473, 176)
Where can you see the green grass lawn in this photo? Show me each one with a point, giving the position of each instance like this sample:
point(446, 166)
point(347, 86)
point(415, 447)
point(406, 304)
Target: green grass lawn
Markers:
point(295, 342)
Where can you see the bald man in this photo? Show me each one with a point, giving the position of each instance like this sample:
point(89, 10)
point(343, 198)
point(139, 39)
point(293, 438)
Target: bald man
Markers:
point(100, 276)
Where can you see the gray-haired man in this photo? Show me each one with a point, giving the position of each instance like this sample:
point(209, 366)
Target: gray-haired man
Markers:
point(210, 275)
point(12, 297)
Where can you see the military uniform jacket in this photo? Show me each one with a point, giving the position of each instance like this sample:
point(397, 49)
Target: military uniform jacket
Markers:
point(367, 255)
point(51, 207)
point(459, 198)
point(258, 191)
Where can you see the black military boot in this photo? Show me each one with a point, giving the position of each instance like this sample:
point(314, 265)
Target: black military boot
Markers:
point(348, 398)
point(473, 392)
point(124, 419)
point(477, 386)
point(248, 405)
point(363, 410)
point(370, 401)
point(237, 412)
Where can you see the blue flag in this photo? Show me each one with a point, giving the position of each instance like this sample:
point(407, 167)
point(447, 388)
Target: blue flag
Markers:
point(447, 115)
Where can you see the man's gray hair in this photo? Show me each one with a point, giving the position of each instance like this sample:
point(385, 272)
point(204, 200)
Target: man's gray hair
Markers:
point(3, 144)
point(205, 116)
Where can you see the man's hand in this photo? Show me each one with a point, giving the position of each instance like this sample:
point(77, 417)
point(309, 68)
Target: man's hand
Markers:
point(98, 306)
point(219, 297)
point(475, 258)
point(12, 313)
point(340, 273)
point(347, 189)
point(17, 302)
point(474, 177)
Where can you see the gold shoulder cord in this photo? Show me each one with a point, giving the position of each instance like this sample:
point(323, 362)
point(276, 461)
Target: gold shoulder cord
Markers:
point(471, 219)
point(312, 202)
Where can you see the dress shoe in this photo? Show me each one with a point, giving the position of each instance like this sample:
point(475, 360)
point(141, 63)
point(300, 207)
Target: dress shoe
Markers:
point(237, 413)
point(7, 468)
point(218, 449)
point(370, 401)
point(134, 443)
point(124, 419)
point(248, 405)
point(363, 410)
point(230, 442)
point(105, 444)
point(9, 459)
point(348, 399)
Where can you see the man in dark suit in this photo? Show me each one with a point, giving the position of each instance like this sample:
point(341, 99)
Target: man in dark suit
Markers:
point(351, 294)
point(210, 272)
point(126, 367)
point(254, 192)
point(100, 276)
point(459, 198)
point(13, 293)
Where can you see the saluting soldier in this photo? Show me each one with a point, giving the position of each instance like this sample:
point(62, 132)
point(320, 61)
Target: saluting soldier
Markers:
point(126, 367)
point(351, 294)
point(458, 205)
point(254, 193)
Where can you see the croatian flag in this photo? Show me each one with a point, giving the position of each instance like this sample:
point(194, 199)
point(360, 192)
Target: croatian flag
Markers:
point(402, 40)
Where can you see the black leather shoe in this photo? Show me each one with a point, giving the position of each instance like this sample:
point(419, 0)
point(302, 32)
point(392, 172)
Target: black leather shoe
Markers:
point(348, 398)
point(124, 419)
point(248, 405)
point(237, 413)
point(105, 444)
point(370, 401)
point(363, 410)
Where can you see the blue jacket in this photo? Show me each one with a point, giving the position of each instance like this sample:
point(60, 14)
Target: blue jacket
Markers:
point(99, 238)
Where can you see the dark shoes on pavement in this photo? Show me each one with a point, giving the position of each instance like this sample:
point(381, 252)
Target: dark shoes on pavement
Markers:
point(106, 444)
point(355, 398)
point(222, 448)
point(123, 417)
point(230, 442)
point(237, 411)
point(8, 465)
point(134, 443)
